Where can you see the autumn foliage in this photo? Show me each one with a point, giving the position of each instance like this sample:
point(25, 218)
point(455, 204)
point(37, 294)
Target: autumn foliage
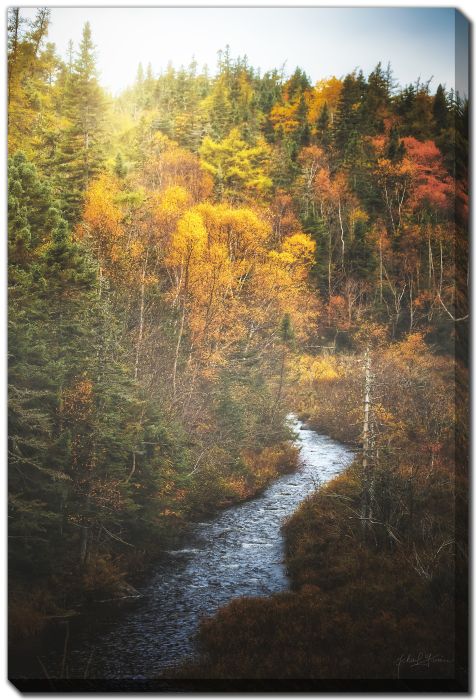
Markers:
point(189, 262)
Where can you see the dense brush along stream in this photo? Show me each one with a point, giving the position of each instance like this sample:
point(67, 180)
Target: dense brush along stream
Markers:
point(237, 553)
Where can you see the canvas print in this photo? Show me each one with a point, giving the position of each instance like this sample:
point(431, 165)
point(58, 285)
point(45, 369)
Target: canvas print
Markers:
point(237, 349)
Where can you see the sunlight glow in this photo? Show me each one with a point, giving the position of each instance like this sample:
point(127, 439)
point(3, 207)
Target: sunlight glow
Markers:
point(418, 42)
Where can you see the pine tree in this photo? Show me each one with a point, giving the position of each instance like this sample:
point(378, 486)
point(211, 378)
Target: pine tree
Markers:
point(376, 100)
point(49, 282)
point(395, 148)
point(348, 117)
point(304, 131)
point(29, 89)
point(81, 153)
point(119, 166)
point(440, 108)
point(323, 127)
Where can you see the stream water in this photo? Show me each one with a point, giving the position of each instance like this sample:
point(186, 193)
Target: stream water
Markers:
point(237, 553)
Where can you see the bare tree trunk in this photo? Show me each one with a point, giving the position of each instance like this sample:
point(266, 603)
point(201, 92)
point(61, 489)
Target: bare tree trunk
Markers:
point(389, 209)
point(133, 468)
point(365, 432)
point(381, 268)
point(177, 351)
point(281, 382)
point(367, 480)
point(83, 554)
point(441, 267)
point(430, 261)
point(141, 318)
point(329, 279)
point(341, 234)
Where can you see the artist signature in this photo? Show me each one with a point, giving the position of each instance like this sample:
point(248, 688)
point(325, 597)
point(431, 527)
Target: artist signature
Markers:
point(423, 658)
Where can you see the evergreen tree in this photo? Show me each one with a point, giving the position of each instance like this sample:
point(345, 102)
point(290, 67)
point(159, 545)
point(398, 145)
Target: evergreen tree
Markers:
point(297, 84)
point(348, 117)
point(323, 127)
point(303, 132)
point(395, 149)
point(440, 109)
point(49, 284)
point(119, 166)
point(376, 100)
point(81, 153)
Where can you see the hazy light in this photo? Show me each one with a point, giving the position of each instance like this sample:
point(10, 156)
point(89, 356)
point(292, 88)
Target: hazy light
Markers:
point(418, 42)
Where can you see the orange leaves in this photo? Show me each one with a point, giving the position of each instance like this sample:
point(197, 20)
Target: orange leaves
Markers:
point(168, 165)
point(189, 240)
point(102, 217)
point(169, 204)
point(425, 153)
point(283, 216)
point(419, 178)
point(328, 92)
point(412, 355)
point(78, 400)
point(226, 273)
point(433, 186)
point(241, 230)
point(176, 167)
point(284, 117)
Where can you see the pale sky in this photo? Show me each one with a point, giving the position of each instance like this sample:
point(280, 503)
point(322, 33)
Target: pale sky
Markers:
point(418, 42)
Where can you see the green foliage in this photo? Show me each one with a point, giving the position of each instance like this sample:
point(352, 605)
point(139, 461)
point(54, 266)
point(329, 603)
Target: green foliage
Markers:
point(80, 152)
point(148, 383)
point(239, 171)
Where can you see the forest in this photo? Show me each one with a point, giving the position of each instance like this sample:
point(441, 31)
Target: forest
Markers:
point(189, 262)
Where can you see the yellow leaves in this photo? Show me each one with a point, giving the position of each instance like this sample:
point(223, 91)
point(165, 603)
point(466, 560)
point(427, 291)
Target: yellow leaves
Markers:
point(308, 369)
point(223, 276)
point(189, 239)
point(136, 249)
point(236, 166)
point(413, 345)
point(385, 417)
point(326, 91)
point(241, 230)
point(301, 248)
point(412, 354)
point(293, 260)
point(226, 276)
point(285, 117)
point(101, 213)
point(281, 258)
point(169, 205)
point(358, 216)
point(174, 199)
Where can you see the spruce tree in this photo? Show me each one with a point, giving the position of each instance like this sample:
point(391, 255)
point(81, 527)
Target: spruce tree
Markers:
point(81, 154)
point(348, 118)
point(323, 127)
point(440, 109)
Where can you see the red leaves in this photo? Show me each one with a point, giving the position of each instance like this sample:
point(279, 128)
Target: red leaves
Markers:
point(433, 187)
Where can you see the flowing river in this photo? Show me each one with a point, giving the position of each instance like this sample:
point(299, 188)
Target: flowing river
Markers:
point(237, 553)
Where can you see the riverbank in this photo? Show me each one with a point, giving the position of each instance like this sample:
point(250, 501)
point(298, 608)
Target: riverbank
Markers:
point(347, 596)
point(373, 589)
point(117, 577)
point(237, 553)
